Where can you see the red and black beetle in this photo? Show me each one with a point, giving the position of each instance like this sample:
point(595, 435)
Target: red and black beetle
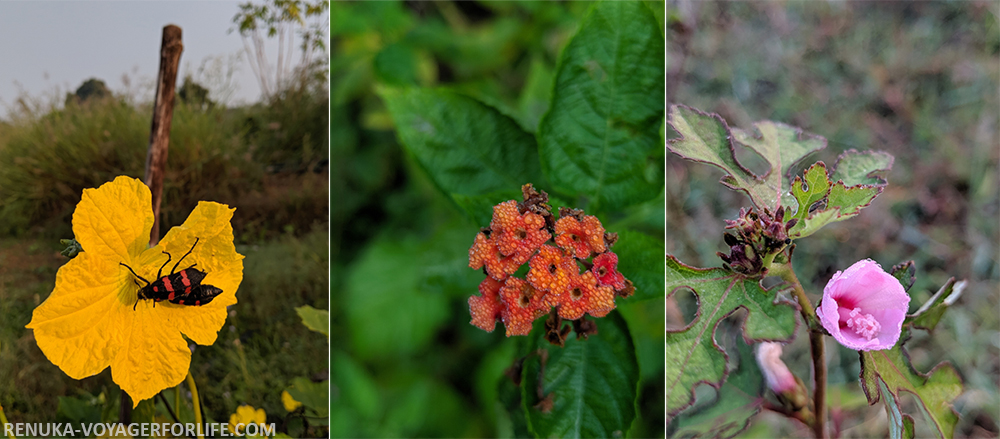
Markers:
point(180, 287)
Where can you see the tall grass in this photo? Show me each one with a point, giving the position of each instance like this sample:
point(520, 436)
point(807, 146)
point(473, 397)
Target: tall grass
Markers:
point(217, 154)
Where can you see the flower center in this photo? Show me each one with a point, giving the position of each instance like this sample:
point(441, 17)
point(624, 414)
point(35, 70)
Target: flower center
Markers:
point(864, 325)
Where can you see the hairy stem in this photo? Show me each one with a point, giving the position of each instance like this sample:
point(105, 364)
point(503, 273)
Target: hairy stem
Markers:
point(787, 274)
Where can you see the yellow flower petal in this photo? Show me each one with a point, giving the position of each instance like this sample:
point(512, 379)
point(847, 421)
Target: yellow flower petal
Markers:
point(88, 322)
point(75, 326)
point(114, 220)
point(245, 415)
point(290, 403)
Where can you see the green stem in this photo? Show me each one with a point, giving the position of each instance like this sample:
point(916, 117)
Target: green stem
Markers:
point(787, 274)
point(195, 403)
point(177, 399)
point(3, 423)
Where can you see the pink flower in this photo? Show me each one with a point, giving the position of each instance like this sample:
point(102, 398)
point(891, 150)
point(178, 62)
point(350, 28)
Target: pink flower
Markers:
point(863, 307)
point(776, 373)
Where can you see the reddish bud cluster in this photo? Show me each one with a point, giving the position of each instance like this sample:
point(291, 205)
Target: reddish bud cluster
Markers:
point(523, 233)
point(757, 234)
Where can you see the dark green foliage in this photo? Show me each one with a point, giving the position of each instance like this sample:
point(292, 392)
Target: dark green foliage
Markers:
point(436, 115)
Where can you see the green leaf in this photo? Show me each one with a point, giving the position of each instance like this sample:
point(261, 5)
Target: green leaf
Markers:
point(934, 391)
point(900, 424)
point(386, 311)
point(536, 95)
point(314, 396)
point(356, 390)
point(466, 147)
point(736, 402)
point(591, 383)
point(809, 190)
point(315, 319)
point(905, 273)
point(841, 202)
point(867, 168)
point(479, 208)
point(707, 138)
point(696, 358)
point(929, 314)
point(640, 259)
point(600, 138)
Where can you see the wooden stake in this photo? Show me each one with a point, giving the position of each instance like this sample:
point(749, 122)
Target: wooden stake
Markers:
point(163, 111)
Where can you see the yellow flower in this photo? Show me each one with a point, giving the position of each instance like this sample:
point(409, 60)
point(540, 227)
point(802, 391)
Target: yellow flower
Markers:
point(88, 322)
point(290, 403)
point(245, 415)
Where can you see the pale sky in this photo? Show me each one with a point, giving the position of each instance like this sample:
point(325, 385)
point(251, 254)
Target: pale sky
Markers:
point(50, 45)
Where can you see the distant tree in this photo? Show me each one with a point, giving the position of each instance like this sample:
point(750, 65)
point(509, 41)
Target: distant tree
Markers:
point(92, 88)
point(289, 21)
point(193, 94)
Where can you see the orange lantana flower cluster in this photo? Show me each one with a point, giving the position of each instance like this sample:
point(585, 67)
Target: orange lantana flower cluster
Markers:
point(556, 250)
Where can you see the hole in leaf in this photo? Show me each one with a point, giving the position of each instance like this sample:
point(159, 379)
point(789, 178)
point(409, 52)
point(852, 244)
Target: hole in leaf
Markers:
point(681, 308)
point(751, 160)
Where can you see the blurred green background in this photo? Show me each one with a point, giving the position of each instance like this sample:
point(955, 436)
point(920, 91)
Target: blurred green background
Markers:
point(916, 79)
point(406, 361)
point(268, 159)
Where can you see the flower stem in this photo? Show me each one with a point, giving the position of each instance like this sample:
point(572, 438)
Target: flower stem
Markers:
point(787, 274)
point(195, 403)
point(3, 422)
point(177, 398)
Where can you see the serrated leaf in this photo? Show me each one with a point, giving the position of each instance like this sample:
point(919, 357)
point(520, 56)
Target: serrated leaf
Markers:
point(867, 168)
point(905, 273)
point(934, 391)
point(812, 187)
point(591, 383)
point(736, 402)
point(695, 356)
point(640, 259)
point(841, 203)
point(900, 424)
point(466, 147)
point(782, 146)
point(929, 314)
point(600, 137)
point(707, 138)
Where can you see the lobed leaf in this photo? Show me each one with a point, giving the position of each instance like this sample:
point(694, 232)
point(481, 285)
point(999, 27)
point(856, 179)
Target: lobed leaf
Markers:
point(707, 138)
point(900, 424)
point(929, 314)
point(934, 391)
point(815, 199)
point(736, 402)
point(600, 138)
point(807, 191)
point(695, 355)
point(587, 388)
point(867, 168)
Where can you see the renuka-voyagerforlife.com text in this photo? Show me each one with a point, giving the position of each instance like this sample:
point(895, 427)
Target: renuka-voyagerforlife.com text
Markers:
point(135, 430)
